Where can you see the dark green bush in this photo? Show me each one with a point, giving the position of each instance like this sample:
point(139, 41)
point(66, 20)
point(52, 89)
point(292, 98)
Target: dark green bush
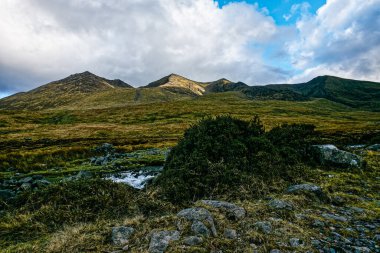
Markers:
point(224, 155)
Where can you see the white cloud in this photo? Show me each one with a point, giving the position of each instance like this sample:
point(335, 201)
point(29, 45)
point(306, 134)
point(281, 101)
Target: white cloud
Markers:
point(135, 40)
point(342, 39)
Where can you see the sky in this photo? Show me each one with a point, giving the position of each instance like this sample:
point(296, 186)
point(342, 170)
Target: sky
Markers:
point(254, 41)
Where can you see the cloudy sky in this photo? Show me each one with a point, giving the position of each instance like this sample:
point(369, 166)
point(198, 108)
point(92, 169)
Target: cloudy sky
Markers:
point(138, 41)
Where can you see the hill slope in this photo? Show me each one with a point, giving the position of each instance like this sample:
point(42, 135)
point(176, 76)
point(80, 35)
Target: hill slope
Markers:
point(61, 92)
point(354, 93)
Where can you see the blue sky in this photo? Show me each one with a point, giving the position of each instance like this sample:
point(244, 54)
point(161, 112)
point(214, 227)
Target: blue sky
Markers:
point(257, 41)
point(279, 8)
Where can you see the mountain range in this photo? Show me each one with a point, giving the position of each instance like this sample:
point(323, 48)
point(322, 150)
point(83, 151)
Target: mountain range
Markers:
point(86, 90)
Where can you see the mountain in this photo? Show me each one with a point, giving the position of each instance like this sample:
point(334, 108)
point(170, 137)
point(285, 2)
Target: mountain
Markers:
point(86, 90)
point(62, 92)
point(179, 83)
point(354, 93)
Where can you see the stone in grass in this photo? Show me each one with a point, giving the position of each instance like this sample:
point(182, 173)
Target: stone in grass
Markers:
point(234, 211)
point(160, 240)
point(279, 204)
point(230, 233)
point(193, 240)
point(307, 189)
point(120, 235)
point(275, 251)
point(334, 217)
point(295, 242)
point(198, 214)
point(264, 226)
point(200, 229)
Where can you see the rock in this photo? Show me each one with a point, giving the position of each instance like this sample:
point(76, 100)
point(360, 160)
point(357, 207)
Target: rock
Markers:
point(234, 211)
point(7, 194)
point(318, 223)
point(198, 214)
point(374, 147)
point(334, 217)
point(294, 242)
point(275, 251)
point(160, 240)
point(84, 175)
point(264, 226)
point(25, 180)
point(331, 155)
point(120, 235)
point(306, 188)
point(280, 204)
point(230, 233)
point(200, 229)
point(361, 249)
point(26, 186)
point(192, 240)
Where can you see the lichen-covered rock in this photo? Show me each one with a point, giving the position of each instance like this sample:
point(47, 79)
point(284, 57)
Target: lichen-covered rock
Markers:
point(200, 229)
point(234, 211)
point(279, 204)
point(160, 240)
point(334, 217)
point(331, 155)
point(120, 235)
point(264, 226)
point(308, 189)
point(230, 233)
point(193, 240)
point(198, 214)
point(374, 147)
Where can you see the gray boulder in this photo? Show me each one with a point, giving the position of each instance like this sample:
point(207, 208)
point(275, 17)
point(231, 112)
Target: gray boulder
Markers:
point(264, 226)
point(279, 204)
point(160, 240)
point(7, 194)
point(331, 155)
point(25, 180)
point(26, 186)
point(307, 189)
point(84, 175)
point(295, 242)
point(233, 211)
point(230, 233)
point(41, 183)
point(334, 217)
point(200, 229)
point(120, 235)
point(198, 214)
point(193, 240)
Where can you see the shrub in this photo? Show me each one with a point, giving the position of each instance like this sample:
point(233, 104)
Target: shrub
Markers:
point(224, 155)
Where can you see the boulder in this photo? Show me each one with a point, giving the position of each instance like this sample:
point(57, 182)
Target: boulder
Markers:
point(193, 240)
point(233, 211)
point(26, 186)
point(294, 242)
point(25, 180)
point(264, 226)
point(198, 214)
point(331, 155)
point(41, 183)
point(279, 204)
point(120, 235)
point(160, 240)
point(230, 233)
point(334, 217)
point(200, 229)
point(307, 189)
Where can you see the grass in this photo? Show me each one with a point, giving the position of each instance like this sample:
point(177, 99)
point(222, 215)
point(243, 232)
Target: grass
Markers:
point(58, 142)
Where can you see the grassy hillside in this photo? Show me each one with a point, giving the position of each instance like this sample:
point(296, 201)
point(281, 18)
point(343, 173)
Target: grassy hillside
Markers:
point(360, 94)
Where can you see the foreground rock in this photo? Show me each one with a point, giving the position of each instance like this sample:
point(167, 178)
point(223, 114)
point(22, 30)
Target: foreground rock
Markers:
point(331, 155)
point(160, 240)
point(120, 235)
point(196, 215)
point(279, 204)
point(307, 189)
point(233, 211)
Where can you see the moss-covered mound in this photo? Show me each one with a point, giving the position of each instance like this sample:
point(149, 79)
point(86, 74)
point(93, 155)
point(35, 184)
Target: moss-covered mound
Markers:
point(223, 155)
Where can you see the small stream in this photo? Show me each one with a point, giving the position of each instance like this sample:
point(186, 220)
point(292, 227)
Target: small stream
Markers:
point(136, 178)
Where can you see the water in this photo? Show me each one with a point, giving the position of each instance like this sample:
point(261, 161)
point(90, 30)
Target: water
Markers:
point(136, 179)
